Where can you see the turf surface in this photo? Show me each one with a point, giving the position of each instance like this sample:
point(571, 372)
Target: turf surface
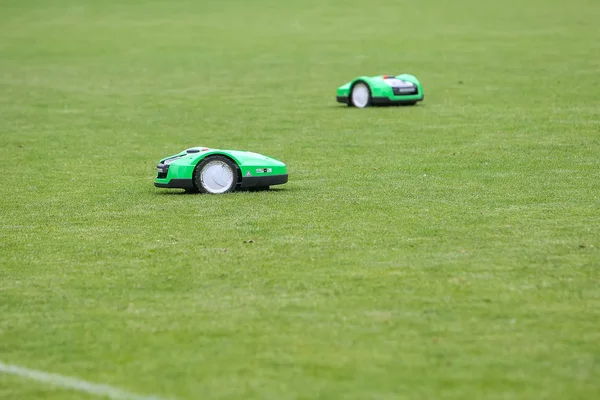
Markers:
point(447, 250)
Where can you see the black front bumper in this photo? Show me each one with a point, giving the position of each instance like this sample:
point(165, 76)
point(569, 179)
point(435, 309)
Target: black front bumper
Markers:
point(263, 181)
point(342, 99)
point(176, 184)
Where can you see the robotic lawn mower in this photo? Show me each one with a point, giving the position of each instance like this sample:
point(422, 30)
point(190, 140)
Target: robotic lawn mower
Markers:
point(214, 171)
point(368, 91)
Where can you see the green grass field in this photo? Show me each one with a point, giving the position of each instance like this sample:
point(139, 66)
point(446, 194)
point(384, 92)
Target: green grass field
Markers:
point(449, 250)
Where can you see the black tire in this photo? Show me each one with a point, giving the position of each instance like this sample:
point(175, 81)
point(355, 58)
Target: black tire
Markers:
point(369, 100)
point(201, 187)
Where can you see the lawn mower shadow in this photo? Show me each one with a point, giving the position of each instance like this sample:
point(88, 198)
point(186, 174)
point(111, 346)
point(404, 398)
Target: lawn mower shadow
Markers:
point(405, 106)
point(243, 190)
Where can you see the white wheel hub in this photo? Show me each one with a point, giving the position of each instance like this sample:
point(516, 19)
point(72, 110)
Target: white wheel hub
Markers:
point(360, 95)
point(217, 177)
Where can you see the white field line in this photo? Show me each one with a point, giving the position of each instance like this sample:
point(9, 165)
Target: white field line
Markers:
point(73, 383)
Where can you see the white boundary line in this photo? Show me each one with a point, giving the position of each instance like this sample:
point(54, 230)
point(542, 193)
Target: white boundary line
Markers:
point(73, 383)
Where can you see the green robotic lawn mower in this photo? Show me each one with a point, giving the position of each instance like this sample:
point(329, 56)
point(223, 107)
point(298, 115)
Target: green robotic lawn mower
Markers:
point(366, 91)
point(214, 171)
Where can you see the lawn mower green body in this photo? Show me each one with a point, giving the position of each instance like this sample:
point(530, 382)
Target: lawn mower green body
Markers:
point(365, 91)
point(248, 170)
